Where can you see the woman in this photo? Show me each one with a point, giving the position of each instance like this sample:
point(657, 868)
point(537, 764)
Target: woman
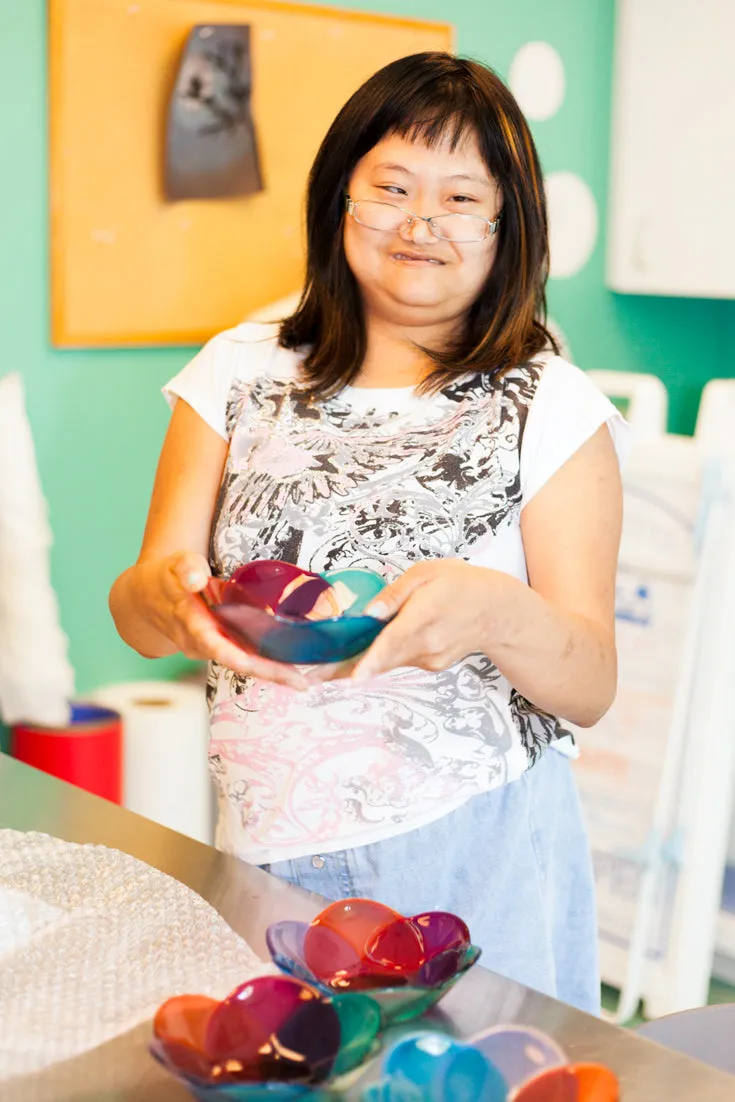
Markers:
point(414, 418)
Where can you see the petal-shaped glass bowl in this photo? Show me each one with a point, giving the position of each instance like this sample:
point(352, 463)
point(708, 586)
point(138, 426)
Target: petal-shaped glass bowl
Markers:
point(291, 615)
point(359, 943)
point(400, 997)
point(274, 1038)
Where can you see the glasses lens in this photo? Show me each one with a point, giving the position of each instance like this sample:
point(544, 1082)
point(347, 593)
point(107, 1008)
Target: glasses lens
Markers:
point(379, 216)
point(450, 227)
point(460, 227)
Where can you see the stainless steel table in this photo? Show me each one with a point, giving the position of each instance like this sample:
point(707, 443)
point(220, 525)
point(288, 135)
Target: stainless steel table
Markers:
point(249, 900)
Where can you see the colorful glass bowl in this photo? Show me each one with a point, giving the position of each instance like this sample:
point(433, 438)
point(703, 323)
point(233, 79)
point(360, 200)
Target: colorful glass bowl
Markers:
point(357, 945)
point(506, 1064)
point(289, 614)
point(272, 1038)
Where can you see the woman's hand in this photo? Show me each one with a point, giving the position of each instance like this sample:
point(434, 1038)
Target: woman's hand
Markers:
point(441, 611)
point(170, 588)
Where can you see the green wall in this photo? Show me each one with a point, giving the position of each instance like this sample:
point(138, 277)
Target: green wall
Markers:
point(98, 418)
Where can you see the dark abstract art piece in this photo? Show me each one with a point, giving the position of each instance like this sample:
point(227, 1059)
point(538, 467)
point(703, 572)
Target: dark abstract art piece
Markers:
point(211, 147)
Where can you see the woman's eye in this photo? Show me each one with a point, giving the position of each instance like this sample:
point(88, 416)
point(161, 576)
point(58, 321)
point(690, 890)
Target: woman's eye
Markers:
point(392, 189)
point(462, 199)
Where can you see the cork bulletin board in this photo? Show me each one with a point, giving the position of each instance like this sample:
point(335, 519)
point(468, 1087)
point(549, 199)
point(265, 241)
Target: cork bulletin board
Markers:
point(129, 267)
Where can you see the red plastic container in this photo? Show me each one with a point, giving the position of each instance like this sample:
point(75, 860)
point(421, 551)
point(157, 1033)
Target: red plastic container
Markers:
point(87, 753)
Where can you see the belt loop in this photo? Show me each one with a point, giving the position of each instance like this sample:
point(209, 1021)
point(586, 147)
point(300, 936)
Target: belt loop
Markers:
point(345, 875)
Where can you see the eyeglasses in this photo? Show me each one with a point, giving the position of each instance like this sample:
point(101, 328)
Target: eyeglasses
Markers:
point(460, 228)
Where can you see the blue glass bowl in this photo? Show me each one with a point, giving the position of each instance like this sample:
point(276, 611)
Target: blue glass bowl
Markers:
point(432, 1067)
point(282, 612)
point(505, 1064)
point(493, 1067)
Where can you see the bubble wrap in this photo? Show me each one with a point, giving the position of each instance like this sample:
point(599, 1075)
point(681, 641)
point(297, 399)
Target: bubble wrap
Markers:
point(92, 941)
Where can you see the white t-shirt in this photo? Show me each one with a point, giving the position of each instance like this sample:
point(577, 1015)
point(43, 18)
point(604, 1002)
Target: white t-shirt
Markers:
point(379, 479)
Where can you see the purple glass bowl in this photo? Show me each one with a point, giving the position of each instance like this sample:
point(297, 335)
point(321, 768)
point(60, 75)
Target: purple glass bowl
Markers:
point(272, 1039)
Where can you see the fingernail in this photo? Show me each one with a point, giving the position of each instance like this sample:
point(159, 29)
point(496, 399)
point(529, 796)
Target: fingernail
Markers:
point(194, 581)
point(378, 610)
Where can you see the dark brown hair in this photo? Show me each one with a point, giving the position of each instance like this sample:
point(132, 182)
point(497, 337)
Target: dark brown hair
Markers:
point(425, 97)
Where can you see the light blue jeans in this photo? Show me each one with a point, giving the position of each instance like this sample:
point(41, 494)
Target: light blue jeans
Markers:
point(514, 863)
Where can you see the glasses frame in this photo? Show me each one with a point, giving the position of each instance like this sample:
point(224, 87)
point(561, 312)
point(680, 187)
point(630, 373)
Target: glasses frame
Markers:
point(492, 225)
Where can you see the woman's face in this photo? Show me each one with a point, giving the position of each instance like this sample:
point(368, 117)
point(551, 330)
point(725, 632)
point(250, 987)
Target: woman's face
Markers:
point(411, 277)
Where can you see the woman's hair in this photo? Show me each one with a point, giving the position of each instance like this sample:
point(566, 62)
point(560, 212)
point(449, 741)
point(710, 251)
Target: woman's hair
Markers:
point(426, 97)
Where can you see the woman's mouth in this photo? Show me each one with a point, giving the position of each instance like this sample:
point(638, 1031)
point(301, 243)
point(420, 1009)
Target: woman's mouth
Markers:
point(415, 258)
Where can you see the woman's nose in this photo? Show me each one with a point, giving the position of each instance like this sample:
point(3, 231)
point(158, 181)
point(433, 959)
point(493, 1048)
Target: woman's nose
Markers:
point(417, 230)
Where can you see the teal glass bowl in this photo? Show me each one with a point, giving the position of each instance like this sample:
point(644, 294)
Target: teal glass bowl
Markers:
point(282, 612)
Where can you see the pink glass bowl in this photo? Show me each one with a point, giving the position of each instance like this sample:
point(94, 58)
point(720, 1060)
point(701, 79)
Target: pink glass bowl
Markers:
point(283, 612)
point(357, 945)
point(273, 1038)
point(505, 1064)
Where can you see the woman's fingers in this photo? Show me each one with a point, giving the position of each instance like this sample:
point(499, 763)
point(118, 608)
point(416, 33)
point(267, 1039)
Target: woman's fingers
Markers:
point(405, 641)
point(332, 671)
point(252, 665)
point(394, 596)
point(203, 639)
point(184, 573)
point(218, 648)
point(222, 650)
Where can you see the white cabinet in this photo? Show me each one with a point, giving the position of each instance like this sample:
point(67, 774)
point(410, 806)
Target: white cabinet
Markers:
point(671, 214)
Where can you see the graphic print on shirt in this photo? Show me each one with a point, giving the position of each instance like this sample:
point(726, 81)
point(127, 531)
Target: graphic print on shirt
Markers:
point(326, 485)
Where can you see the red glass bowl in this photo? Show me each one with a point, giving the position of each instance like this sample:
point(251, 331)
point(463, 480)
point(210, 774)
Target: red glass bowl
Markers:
point(406, 964)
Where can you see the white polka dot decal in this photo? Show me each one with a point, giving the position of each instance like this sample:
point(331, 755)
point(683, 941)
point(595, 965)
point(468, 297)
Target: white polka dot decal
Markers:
point(573, 223)
point(536, 79)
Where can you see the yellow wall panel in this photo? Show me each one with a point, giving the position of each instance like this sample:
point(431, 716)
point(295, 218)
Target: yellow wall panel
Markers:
point(129, 268)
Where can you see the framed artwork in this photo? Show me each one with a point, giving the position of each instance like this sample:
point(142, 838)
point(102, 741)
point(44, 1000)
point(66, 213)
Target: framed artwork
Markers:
point(165, 235)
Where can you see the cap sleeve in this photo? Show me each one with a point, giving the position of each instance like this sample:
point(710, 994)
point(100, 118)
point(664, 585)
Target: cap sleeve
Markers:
point(205, 383)
point(567, 409)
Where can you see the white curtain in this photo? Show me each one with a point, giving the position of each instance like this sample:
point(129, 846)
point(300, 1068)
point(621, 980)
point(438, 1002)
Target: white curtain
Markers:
point(36, 679)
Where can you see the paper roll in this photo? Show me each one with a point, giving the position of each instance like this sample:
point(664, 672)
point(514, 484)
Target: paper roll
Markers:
point(165, 770)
